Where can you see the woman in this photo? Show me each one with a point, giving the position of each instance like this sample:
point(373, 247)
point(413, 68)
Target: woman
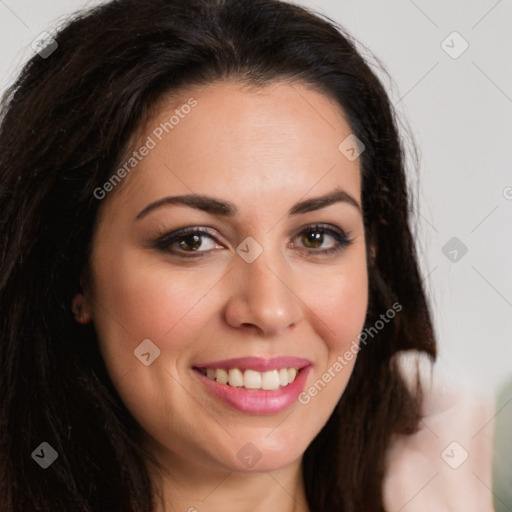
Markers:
point(207, 268)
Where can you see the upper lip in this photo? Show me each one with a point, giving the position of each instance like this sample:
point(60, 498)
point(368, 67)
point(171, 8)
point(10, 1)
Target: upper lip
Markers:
point(258, 363)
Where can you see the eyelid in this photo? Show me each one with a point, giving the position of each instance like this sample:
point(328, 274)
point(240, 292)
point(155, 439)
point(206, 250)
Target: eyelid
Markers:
point(341, 237)
point(320, 226)
point(168, 237)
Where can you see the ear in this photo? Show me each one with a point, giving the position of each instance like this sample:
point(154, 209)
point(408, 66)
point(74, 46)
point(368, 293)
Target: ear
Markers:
point(81, 309)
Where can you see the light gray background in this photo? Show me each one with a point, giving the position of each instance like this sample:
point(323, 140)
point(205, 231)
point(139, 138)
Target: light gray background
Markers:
point(459, 110)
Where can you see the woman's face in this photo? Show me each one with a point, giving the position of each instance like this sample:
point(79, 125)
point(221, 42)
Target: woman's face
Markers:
point(259, 285)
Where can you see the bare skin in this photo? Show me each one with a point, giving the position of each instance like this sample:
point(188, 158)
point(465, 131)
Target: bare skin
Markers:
point(263, 151)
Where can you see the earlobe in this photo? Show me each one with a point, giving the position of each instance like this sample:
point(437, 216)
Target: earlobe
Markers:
point(80, 310)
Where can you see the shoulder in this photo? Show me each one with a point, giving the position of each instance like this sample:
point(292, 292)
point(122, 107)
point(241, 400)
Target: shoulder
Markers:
point(447, 465)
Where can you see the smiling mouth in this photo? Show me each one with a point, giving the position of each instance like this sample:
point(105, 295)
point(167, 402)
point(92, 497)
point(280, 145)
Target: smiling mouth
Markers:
point(249, 379)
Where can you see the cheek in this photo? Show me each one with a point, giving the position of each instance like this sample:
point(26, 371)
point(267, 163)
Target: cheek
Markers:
point(326, 385)
point(136, 301)
point(340, 305)
point(341, 302)
point(348, 310)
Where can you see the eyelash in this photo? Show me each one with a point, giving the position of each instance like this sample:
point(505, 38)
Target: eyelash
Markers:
point(164, 242)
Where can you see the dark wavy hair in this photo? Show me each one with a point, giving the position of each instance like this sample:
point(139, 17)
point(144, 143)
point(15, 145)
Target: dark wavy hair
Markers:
point(66, 122)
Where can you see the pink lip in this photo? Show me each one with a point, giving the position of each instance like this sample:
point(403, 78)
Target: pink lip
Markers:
point(257, 363)
point(257, 401)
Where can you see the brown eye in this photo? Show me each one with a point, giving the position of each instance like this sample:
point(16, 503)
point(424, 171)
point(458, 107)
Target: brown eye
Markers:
point(313, 238)
point(190, 241)
point(187, 242)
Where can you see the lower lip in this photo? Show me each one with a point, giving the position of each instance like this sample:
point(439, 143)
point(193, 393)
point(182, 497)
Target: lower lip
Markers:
point(257, 401)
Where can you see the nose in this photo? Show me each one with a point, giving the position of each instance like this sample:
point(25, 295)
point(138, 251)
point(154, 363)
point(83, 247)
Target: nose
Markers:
point(263, 296)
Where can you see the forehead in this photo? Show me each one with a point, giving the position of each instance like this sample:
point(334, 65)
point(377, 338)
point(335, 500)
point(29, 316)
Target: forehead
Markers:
point(225, 138)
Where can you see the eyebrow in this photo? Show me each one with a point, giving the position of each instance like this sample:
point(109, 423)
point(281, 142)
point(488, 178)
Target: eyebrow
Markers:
point(228, 209)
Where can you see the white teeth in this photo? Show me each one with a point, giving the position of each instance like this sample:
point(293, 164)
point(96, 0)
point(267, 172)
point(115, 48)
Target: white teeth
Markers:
point(221, 376)
point(236, 378)
point(251, 379)
point(270, 380)
point(292, 373)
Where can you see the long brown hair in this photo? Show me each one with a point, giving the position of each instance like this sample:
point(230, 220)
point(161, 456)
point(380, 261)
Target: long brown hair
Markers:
point(65, 124)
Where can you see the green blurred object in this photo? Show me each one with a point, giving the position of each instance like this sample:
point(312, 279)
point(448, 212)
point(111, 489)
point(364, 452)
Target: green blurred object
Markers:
point(502, 467)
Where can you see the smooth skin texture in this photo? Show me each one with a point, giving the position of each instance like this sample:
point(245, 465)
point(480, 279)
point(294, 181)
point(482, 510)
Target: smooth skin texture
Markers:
point(263, 150)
